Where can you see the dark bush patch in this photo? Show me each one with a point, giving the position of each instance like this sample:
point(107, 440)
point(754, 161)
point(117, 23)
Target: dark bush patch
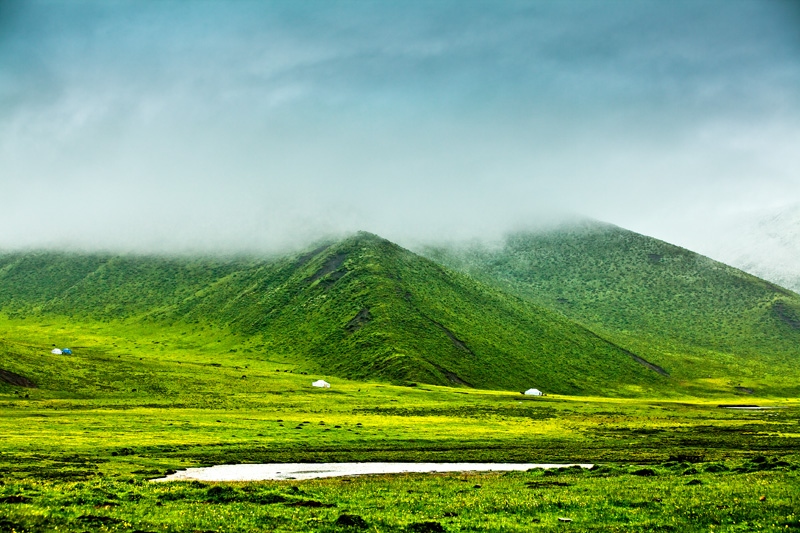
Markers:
point(351, 520)
point(716, 467)
point(646, 431)
point(694, 482)
point(15, 499)
point(172, 496)
point(425, 527)
point(644, 472)
point(223, 494)
point(8, 525)
point(123, 451)
point(146, 472)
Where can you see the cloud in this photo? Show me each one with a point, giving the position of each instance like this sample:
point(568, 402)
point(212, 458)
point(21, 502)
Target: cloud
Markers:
point(210, 125)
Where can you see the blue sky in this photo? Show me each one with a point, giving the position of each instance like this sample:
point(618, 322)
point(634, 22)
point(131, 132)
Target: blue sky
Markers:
point(174, 126)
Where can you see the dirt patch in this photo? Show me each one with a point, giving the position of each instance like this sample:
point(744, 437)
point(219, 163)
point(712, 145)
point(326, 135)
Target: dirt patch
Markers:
point(361, 319)
point(458, 343)
point(642, 361)
point(744, 390)
point(16, 379)
point(305, 258)
point(648, 364)
point(331, 265)
point(452, 377)
point(786, 314)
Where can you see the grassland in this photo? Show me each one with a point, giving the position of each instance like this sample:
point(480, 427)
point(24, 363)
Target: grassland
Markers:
point(131, 404)
point(180, 363)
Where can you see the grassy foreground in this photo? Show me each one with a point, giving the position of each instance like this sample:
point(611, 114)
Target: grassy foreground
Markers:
point(663, 498)
point(129, 405)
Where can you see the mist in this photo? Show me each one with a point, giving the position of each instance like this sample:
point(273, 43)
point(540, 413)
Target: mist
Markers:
point(177, 127)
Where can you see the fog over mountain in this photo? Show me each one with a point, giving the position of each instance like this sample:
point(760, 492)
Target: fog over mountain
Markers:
point(180, 126)
point(765, 243)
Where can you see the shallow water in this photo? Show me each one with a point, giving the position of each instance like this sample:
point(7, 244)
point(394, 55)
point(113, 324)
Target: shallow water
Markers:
point(279, 471)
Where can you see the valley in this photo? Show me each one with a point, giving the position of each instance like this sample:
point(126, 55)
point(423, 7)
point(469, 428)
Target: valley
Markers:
point(180, 363)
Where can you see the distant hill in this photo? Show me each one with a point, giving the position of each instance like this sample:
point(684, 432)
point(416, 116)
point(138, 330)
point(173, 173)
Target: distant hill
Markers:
point(702, 321)
point(361, 308)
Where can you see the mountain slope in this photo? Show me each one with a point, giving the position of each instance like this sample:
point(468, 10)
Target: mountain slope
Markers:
point(696, 318)
point(361, 308)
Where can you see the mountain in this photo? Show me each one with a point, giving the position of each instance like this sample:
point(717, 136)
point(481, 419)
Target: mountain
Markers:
point(703, 322)
point(361, 308)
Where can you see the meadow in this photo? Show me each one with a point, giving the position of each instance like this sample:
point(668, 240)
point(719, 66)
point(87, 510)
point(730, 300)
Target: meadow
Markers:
point(131, 404)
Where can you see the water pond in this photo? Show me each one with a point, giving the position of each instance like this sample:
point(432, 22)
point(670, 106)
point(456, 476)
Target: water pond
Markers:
point(752, 407)
point(299, 471)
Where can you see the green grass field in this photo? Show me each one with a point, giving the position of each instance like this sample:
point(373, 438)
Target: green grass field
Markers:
point(134, 403)
point(185, 362)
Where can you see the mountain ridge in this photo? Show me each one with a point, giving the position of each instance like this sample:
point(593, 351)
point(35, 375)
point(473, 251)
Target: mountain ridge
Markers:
point(365, 308)
point(682, 311)
point(362, 308)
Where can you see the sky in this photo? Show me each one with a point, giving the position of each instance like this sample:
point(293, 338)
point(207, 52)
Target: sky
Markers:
point(182, 126)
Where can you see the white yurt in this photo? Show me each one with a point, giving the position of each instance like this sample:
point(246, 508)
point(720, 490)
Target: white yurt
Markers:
point(55, 351)
point(321, 383)
point(533, 392)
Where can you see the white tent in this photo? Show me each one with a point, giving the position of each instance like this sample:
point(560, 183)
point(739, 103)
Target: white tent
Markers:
point(55, 351)
point(533, 392)
point(321, 383)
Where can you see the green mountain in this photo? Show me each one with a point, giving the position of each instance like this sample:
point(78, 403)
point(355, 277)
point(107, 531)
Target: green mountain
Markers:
point(361, 308)
point(704, 323)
